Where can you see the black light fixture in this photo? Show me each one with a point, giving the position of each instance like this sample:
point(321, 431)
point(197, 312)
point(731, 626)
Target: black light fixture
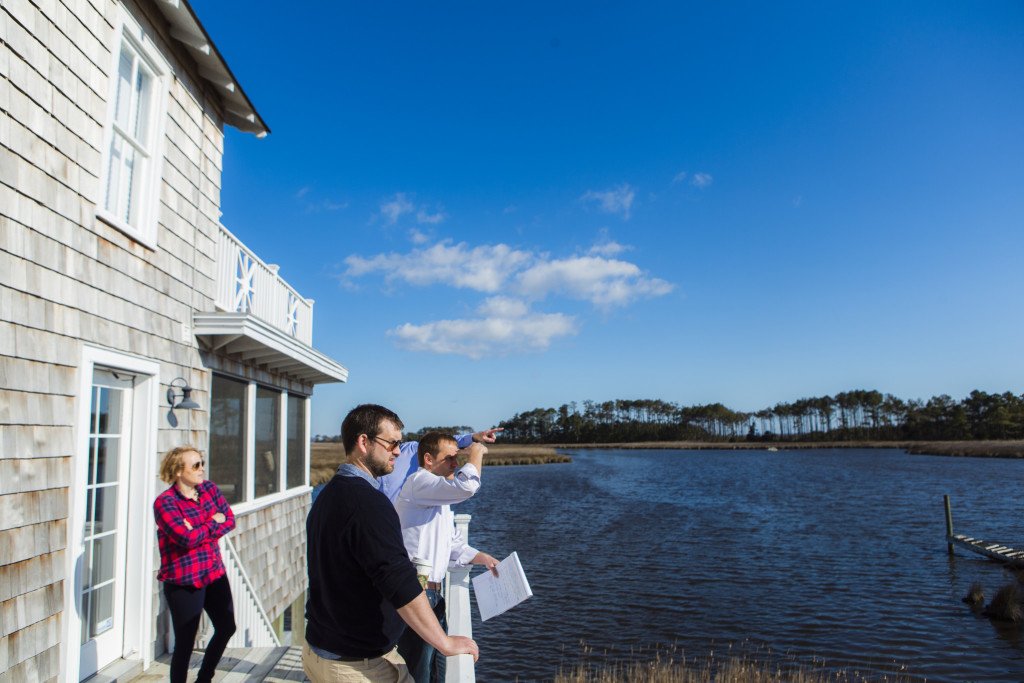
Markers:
point(185, 393)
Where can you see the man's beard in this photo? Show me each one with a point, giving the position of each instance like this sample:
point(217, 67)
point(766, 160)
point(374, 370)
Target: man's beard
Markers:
point(379, 469)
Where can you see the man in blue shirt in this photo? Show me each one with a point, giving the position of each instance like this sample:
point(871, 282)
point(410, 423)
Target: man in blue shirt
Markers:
point(406, 463)
point(363, 588)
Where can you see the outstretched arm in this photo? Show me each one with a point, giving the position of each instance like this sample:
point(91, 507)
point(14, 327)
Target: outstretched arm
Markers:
point(487, 435)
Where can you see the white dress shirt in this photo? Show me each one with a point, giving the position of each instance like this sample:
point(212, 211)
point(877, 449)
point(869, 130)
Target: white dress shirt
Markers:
point(428, 525)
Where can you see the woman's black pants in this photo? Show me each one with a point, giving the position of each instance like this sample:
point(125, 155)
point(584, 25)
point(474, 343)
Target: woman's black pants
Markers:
point(187, 604)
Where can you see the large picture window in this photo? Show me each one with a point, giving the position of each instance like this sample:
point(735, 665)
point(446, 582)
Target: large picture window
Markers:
point(268, 441)
point(258, 440)
point(228, 411)
point(297, 441)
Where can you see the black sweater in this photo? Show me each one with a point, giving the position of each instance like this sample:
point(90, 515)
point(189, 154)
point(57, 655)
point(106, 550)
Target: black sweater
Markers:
point(359, 571)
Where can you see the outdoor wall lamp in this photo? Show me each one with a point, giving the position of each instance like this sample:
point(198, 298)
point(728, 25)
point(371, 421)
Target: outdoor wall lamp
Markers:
point(183, 391)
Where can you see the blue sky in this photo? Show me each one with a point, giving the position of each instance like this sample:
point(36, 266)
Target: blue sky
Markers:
point(500, 206)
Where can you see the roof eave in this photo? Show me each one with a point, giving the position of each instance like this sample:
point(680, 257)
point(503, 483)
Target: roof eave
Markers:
point(186, 28)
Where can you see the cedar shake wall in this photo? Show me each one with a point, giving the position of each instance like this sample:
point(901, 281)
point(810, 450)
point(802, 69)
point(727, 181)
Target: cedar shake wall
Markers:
point(272, 545)
point(67, 278)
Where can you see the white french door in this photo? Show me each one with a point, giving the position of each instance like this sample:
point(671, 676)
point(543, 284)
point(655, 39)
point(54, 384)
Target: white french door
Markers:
point(101, 586)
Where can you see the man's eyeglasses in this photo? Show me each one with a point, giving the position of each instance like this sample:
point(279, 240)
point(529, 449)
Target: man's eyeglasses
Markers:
point(198, 465)
point(388, 444)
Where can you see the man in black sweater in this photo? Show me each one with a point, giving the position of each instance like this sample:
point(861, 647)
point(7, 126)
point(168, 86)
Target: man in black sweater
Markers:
point(363, 589)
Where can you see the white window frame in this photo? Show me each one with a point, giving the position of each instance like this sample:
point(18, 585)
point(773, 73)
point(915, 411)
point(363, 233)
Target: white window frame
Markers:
point(147, 193)
point(249, 503)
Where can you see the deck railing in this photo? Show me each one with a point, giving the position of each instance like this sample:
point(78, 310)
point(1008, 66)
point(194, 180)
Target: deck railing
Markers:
point(246, 284)
point(253, 627)
point(460, 668)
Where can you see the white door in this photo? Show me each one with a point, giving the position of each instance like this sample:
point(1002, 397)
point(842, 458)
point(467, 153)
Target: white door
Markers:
point(101, 589)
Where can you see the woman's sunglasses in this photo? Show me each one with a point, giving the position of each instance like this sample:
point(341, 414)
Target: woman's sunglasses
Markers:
point(198, 465)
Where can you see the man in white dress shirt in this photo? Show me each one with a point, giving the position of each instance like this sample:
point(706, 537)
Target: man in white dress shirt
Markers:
point(428, 530)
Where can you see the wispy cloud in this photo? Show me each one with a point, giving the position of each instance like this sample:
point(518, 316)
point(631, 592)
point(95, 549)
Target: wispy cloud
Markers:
point(424, 216)
point(602, 281)
point(311, 204)
point(396, 207)
point(701, 180)
point(416, 236)
point(607, 248)
point(514, 280)
point(504, 326)
point(596, 278)
point(484, 268)
point(617, 200)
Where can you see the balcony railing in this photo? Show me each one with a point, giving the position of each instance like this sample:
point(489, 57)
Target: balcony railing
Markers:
point(460, 668)
point(246, 284)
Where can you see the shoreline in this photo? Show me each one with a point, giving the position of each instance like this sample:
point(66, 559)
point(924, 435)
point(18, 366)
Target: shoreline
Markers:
point(975, 449)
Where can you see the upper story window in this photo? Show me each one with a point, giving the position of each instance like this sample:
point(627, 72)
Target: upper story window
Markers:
point(133, 153)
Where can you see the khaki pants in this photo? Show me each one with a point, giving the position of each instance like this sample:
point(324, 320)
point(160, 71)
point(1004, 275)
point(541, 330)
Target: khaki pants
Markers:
point(388, 668)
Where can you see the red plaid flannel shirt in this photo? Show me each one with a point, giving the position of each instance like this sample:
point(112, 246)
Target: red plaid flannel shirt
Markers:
point(191, 557)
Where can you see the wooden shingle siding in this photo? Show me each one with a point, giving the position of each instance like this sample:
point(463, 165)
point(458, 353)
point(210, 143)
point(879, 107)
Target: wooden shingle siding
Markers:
point(272, 545)
point(30, 541)
point(35, 442)
point(30, 608)
point(29, 575)
point(28, 643)
point(33, 474)
point(43, 667)
point(33, 507)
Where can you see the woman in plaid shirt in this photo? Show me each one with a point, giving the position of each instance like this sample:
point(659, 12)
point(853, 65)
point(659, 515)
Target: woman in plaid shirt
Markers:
point(190, 516)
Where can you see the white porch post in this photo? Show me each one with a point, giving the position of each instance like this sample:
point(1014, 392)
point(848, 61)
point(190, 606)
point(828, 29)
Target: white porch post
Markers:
point(460, 668)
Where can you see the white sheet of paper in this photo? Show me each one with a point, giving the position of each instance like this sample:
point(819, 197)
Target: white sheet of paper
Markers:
point(497, 594)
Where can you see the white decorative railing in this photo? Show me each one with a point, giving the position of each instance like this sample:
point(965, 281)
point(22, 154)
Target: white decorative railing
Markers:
point(460, 668)
point(253, 626)
point(246, 284)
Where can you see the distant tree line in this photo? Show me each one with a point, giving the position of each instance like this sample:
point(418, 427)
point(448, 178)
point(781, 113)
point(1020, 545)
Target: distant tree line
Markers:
point(848, 416)
point(406, 436)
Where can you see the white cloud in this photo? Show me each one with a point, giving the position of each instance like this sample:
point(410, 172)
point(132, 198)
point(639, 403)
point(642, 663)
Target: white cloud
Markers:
point(701, 180)
point(303, 191)
point(679, 177)
point(507, 326)
point(601, 281)
point(617, 200)
point(430, 218)
point(504, 307)
point(418, 237)
point(607, 248)
point(484, 268)
point(397, 207)
point(504, 323)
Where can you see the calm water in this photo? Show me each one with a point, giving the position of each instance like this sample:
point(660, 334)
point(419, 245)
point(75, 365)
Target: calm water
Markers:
point(831, 554)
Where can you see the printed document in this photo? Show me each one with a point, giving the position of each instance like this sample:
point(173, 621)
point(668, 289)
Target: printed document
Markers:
point(497, 594)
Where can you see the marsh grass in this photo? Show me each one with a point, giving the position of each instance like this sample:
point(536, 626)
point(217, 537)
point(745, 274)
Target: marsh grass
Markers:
point(745, 664)
point(324, 458)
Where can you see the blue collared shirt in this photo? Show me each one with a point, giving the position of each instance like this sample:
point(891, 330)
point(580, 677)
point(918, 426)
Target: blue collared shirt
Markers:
point(405, 464)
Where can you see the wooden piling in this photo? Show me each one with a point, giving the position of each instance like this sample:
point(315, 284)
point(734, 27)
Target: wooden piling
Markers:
point(949, 524)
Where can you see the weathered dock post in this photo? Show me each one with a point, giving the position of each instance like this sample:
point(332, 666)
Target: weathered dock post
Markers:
point(949, 524)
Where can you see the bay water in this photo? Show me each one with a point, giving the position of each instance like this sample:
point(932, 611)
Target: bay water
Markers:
point(833, 558)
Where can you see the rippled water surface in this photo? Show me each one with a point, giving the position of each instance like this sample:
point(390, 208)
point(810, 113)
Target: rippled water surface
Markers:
point(829, 554)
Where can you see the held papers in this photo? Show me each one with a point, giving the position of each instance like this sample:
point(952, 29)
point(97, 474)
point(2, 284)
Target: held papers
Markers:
point(497, 594)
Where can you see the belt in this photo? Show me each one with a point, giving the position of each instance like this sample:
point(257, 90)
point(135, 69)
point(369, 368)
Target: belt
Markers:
point(433, 585)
